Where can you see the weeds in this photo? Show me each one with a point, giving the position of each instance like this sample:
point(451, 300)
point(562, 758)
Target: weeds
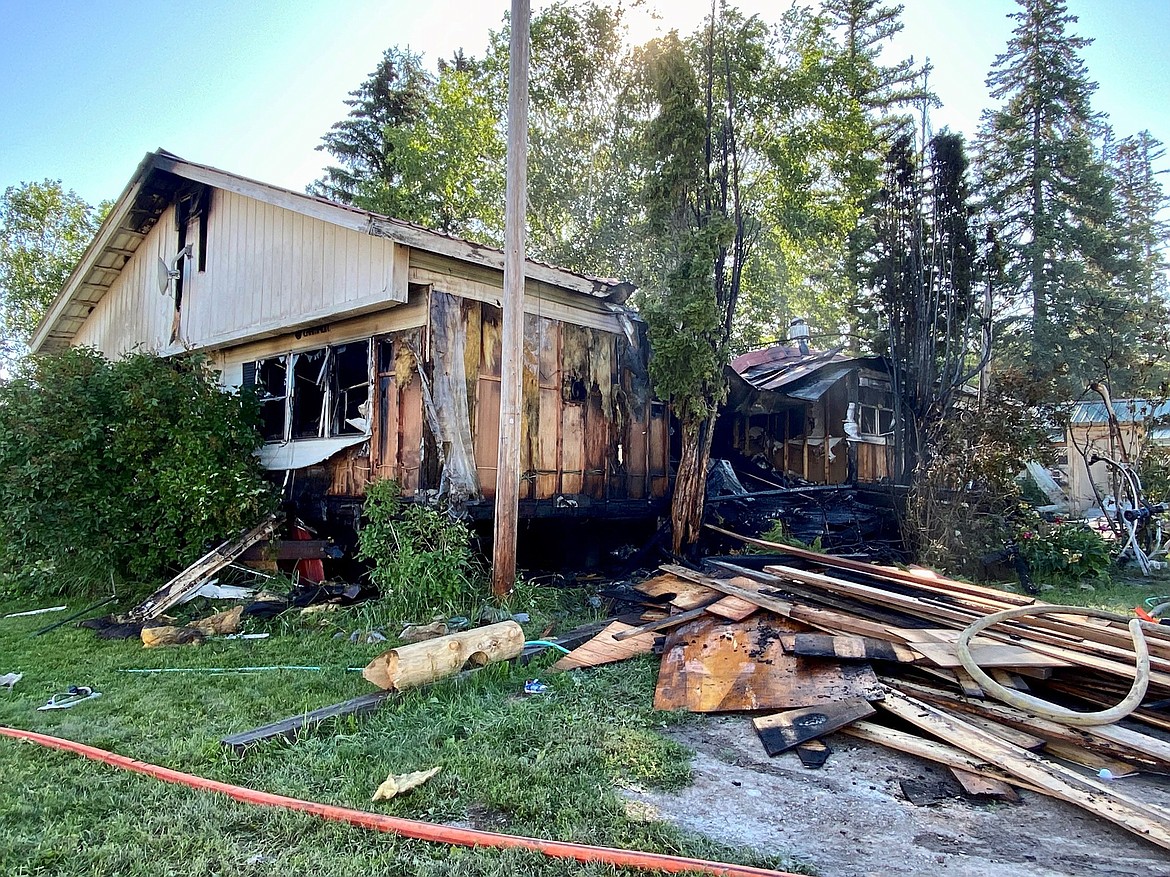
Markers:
point(423, 562)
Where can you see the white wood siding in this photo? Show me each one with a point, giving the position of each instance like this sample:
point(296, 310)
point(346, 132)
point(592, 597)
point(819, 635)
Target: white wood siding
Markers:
point(132, 313)
point(269, 268)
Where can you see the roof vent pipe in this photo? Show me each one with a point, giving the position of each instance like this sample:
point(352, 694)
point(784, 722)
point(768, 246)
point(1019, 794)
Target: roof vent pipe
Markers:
point(798, 332)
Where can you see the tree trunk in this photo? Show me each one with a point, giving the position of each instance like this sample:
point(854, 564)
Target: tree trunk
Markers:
point(690, 484)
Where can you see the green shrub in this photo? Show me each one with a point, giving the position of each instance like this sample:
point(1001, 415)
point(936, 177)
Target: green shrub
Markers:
point(1067, 554)
point(423, 559)
point(125, 470)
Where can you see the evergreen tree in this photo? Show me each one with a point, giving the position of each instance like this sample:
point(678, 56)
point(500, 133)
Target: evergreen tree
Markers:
point(1049, 196)
point(393, 98)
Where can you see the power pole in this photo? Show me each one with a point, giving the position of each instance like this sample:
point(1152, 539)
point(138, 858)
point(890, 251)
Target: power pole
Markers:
point(512, 342)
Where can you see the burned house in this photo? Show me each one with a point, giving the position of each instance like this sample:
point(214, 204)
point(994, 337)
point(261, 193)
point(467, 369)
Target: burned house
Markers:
point(373, 345)
point(796, 416)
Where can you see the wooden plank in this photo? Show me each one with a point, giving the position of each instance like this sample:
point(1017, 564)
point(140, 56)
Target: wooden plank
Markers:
point(984, 789)
point(662, 623)
point(847, 648)
point(1053, 779)
point(197, 573)
point(986, 655)
point(733, 608)
point(921, 578)
point(1015, 736)
point(1092, 760)
point(1110, 740)
point(712, 665)
point(294, 726)
point(605, 649)
point(683, 594)
point(931, 750)
point(743, 588)
point(783, 731)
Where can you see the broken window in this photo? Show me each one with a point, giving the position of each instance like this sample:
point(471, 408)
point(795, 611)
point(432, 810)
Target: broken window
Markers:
point(350, 388)
point(329, 388)
point(309, 393)
point(271, 391)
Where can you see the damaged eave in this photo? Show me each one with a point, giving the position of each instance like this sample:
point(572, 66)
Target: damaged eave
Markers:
point(114, 243)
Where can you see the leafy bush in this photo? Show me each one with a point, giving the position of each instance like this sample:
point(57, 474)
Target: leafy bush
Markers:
point(423, 560)
point(122, 470)
point(1067, 554)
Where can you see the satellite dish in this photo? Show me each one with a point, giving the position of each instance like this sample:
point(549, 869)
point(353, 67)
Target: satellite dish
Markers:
point(168, 273)
point(164, 278)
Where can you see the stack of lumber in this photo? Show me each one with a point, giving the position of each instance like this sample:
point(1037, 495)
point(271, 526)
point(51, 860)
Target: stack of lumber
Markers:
point(814, 644)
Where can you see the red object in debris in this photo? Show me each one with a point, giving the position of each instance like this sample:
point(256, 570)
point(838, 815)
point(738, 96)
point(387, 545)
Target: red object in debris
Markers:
point(1144, 615)
point(308, 569)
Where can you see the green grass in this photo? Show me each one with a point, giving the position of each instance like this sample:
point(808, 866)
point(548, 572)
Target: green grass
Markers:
point(549, 766)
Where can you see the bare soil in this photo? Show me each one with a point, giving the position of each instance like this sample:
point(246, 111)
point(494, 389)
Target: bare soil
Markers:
point(850, 818)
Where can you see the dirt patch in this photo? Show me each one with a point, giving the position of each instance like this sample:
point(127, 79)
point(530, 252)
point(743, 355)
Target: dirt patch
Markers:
point(850, 819)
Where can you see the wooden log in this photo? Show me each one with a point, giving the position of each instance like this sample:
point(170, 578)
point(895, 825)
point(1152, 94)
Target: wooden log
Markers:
point(420, 663)
point(1051, 778)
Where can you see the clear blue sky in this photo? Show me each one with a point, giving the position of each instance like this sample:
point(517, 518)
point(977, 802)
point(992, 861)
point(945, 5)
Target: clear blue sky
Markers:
point(86, 88)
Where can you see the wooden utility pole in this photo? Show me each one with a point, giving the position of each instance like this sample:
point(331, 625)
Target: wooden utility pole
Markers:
point(512, 345)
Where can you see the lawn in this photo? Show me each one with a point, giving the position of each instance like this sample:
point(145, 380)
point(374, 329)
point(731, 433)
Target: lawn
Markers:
point(550, 765)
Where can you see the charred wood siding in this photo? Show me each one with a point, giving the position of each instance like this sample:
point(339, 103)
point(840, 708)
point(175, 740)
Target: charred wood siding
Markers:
point(591, 428)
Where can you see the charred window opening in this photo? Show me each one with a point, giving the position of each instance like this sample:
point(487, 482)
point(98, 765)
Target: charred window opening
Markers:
point(350, 388)
point(271, 391)
point(309, 393)
point(657, 409)
point(329, 389)
point(573, 389)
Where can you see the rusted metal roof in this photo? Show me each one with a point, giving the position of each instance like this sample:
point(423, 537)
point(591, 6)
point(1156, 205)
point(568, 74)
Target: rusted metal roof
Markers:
point(781, 365)
point(783, 368)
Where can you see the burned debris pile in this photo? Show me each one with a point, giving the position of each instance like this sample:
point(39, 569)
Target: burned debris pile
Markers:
point(812, 644)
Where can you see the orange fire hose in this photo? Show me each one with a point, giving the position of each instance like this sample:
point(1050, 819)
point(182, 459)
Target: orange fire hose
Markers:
point(412, 828)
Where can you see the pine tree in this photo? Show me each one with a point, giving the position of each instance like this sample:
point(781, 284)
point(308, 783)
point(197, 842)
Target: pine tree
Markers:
point(1048, 196)
point(393, 98)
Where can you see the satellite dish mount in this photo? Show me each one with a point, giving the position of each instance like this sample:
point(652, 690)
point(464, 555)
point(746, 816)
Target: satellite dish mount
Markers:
point(168, 273)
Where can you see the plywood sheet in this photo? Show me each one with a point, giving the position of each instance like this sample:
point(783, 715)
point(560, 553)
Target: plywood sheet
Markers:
point(713, 665)
point(604, 649)
point(686, 595)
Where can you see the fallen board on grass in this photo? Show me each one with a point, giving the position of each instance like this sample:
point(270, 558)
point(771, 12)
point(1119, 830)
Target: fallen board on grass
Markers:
point(711, 665)
point(197, 573)
point(294, 726)
point(605, 649)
